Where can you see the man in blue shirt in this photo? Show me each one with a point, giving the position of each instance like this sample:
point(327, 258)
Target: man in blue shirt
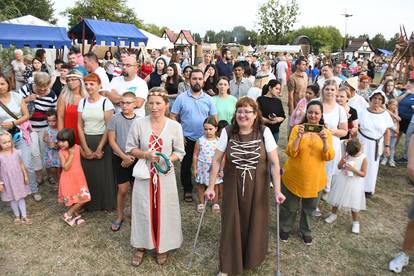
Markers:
point(225, 66)
point(74, 65)
point(193, 107)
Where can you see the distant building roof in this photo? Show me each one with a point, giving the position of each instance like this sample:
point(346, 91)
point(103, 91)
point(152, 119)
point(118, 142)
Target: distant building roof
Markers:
point(357, 43)
point(172, 37)
point(185, 37)
point(302, 40)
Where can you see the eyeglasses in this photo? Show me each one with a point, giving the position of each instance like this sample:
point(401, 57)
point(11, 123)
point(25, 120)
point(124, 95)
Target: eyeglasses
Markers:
point(128, 65)
point(244, 112)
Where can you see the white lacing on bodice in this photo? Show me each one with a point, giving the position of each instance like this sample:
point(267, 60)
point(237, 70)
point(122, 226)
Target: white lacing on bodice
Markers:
point(239, 150)
point(155, 145)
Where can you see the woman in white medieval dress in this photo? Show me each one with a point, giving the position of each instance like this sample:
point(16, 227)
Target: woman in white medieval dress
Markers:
point(156, 217)
point(336, 121)
point(374, 133)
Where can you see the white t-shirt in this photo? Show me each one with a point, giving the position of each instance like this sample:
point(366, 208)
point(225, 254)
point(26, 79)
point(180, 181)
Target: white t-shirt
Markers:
point(269, 140)
point(93, 115)
point(335, 117)
point(358, 103)
point(281, 69)
point(104, 78)
point(137, 86)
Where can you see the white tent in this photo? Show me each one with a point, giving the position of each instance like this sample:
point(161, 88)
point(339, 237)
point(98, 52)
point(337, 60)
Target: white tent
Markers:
point(156, 42)
point(29, 20)
point(282, 48)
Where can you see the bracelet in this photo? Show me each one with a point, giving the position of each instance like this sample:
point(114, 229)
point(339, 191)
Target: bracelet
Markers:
point(387, 146)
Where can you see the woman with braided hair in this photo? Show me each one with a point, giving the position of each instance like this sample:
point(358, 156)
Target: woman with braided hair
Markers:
point(248, 147)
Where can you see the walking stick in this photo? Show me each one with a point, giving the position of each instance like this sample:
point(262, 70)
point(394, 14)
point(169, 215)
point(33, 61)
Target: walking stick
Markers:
point(190, 263)
point(277, 241)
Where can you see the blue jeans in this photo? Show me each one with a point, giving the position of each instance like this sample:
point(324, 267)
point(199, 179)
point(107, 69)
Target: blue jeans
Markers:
point(276, 136)
point(27, 160)
point(393, 142)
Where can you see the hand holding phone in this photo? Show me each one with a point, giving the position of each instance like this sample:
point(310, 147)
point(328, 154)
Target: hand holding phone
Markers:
point(313, 128)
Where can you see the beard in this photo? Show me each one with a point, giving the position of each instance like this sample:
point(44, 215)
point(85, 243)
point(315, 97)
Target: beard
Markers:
point(196, 87)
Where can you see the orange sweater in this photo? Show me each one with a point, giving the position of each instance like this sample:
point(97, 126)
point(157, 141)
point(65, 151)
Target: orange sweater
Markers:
point(304, 172)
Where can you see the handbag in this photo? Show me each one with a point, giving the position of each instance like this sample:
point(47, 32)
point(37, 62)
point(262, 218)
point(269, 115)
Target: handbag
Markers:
point(141, 170)
point(15, 131)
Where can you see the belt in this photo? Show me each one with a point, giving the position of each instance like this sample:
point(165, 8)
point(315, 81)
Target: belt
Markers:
point(372, 139)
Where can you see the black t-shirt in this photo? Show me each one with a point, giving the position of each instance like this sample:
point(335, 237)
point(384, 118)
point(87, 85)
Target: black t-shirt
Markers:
point(210, 84)
point(267, 106)
point(155, 80)
point(352, 116)
point(57, 87)
point(172, 88)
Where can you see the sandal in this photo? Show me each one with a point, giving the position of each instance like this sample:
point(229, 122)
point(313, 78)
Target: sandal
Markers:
point(162, 258)
point(69, 220)
point(116, 225)
point(200, 208)
point(51, 180)
point(17, 221)
point(78, 220)
point(27, 221)
point(138, 257)
point(188, 197)
point(215, 208)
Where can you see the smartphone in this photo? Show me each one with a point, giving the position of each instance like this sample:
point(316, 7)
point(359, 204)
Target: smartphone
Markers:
point(272, 115)
point(313, 128)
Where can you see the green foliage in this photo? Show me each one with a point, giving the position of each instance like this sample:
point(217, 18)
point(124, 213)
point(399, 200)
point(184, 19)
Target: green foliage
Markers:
point(378, 41)
point(111, 10)
point(390, 45)
point(154, 29)
point(275, 20)
point(323, 38)
point(42, 9)
point(197, 38)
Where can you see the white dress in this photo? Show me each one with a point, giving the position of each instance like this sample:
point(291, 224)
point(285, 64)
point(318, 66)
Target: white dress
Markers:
point(332, 120)
point(373, 125)
point(347, 192)
point(156, 217)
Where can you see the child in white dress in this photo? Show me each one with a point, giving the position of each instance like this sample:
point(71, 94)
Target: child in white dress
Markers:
point(347, 191)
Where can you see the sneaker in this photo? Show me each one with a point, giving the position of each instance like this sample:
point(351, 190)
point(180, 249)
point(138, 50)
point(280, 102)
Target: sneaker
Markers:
point(397, 264)
point(271, 185)
point(384, 161)
point(324, 196)
point(37, 197)
point(331, 218)
point(355, 227)
point(307, 239)
point(392, 163)
point(317, 212)
point(284, 236)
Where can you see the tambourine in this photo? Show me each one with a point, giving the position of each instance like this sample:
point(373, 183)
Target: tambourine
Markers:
point(167, 163)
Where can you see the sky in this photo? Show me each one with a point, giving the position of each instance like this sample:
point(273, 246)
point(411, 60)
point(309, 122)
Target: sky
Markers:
point(369, 16)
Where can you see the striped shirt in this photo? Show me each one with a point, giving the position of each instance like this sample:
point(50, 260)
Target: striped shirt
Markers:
point(38, 107)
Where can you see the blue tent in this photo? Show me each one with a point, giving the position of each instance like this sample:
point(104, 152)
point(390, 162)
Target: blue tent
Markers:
point(33, 36)
point(107, 32)
point(385, 52)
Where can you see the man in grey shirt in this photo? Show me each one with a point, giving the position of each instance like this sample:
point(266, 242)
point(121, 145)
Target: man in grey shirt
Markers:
point(239, 86)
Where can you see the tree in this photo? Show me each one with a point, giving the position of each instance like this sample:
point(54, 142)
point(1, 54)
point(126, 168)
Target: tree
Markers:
point(323, 38)
point(197, 38)
point(112, 10)
point(276, 20)
point(154, 29)
point(210, 37)
point(378, 41)
point(390, 45)
point(42, 9)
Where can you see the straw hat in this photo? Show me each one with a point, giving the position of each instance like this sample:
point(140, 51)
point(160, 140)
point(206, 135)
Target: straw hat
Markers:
point(353, 82)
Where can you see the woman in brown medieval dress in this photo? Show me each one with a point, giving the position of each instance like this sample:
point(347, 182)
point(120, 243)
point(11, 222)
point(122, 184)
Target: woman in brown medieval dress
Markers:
point(248, 147)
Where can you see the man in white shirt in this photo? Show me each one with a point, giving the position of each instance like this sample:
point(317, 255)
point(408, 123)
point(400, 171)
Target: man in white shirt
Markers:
point(92, 65)
point(281, 70)
point(239, 86)
point(327, 74)
point(129, 81)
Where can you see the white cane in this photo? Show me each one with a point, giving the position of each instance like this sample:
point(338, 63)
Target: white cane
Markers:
point(277, 241)
point(190, 263)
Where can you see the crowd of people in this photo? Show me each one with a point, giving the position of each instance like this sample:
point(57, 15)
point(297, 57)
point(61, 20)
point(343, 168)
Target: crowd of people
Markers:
point(94, 128)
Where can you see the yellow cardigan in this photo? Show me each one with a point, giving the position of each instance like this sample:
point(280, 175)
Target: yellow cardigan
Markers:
point(304, 172)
